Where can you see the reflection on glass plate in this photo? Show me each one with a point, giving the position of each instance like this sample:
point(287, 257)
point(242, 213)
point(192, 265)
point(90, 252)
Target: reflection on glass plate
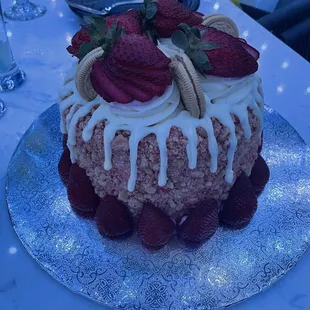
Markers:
point(232, 266)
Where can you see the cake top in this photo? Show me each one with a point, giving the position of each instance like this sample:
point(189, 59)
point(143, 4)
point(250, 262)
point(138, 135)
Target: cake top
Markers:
point(121, 57)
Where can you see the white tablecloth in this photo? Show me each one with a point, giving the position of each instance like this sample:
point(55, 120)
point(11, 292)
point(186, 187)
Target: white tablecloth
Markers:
point(39, 48)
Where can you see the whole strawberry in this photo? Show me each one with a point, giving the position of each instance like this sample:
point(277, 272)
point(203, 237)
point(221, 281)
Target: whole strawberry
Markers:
point(260, 175)
point(240, 205)
point(64, 141)
point(64, 166)
point(94, 32)
point(162, 17)
point(77, 40)
point(155, 228)
point(113, 218)
point(80, 191)
point(201, 224)
point(134, 69)
point(214, 52)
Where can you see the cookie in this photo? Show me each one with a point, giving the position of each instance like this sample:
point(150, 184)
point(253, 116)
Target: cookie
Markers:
point(222, 23)
point(188, 83)
point(82, 77)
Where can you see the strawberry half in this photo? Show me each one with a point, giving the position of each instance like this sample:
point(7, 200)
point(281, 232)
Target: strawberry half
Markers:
point(130, 21)
point(113, 218)
point(260, 175)
point(233, 58)
point(64, 166)
point(240, 205)
point(215, 52)
point(155, 228)
point(127, 72)
point(80, 191)
point(166, 15)
point(201, 223)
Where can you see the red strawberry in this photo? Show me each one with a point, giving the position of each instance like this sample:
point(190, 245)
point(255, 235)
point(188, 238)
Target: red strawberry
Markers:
point(80, 191)
point(155, 227)
point(132, 56)
point(231, 59)
point(261, 144)
point(77, 40)
point(202, 222)
point(130, 21)
point(113, 218)
point(106, 88)
point(250, 49)
point(260, 175)
point(157, 76)
point(169, 14)
point(240, 205)
point(64, 142)
point(64, 166)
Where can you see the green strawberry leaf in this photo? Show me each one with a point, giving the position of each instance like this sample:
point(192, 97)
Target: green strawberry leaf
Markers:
point(85, 49)
point(112, 29)
point(100, 24)
point(185, 27)
point(195, 31)
point(179, 39)
point(208, 46)
point(89, 20)
point(151, 10)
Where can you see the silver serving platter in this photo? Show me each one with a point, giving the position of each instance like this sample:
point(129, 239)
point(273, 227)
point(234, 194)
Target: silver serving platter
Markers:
point(232, 266)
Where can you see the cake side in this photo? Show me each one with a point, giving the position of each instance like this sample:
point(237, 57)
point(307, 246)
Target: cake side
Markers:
point(185, 187)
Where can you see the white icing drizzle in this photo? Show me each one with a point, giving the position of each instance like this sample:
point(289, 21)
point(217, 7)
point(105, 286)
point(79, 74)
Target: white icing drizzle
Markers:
point(224, 97)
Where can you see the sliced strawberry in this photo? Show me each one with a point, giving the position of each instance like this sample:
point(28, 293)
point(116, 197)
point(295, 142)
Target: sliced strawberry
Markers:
point(64, 142)
point(154, 75)
point(155, 228)
point(125, 73)
point(113, 218)
point(105, 87)
point(240, 205)
point(130, 21)
point(133, 91)
point(64, 166)
point(260, 175)
point(80, 191)
point(231, 58)
point(148, 89)
point(201, 223)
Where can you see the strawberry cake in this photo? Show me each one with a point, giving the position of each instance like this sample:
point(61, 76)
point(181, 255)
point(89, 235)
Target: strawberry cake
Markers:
point(162, 117)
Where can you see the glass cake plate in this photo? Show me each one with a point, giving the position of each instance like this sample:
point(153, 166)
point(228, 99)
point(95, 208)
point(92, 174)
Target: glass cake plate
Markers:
point(230, 267)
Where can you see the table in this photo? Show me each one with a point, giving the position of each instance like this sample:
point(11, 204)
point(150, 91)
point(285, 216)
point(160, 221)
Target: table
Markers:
point(39, 48)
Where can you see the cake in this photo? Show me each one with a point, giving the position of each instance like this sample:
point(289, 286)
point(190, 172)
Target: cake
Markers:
point(162, 118)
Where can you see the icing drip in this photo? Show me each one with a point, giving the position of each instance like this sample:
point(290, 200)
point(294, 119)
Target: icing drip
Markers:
point(224, 98)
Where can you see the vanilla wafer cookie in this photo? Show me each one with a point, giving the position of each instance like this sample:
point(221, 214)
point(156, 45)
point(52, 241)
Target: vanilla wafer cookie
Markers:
point(221, 22)
point(189, 85)
point(82, 77)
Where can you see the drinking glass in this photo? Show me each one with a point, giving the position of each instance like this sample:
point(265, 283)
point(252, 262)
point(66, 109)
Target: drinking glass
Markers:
point(24, 10)
point(10, 74)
